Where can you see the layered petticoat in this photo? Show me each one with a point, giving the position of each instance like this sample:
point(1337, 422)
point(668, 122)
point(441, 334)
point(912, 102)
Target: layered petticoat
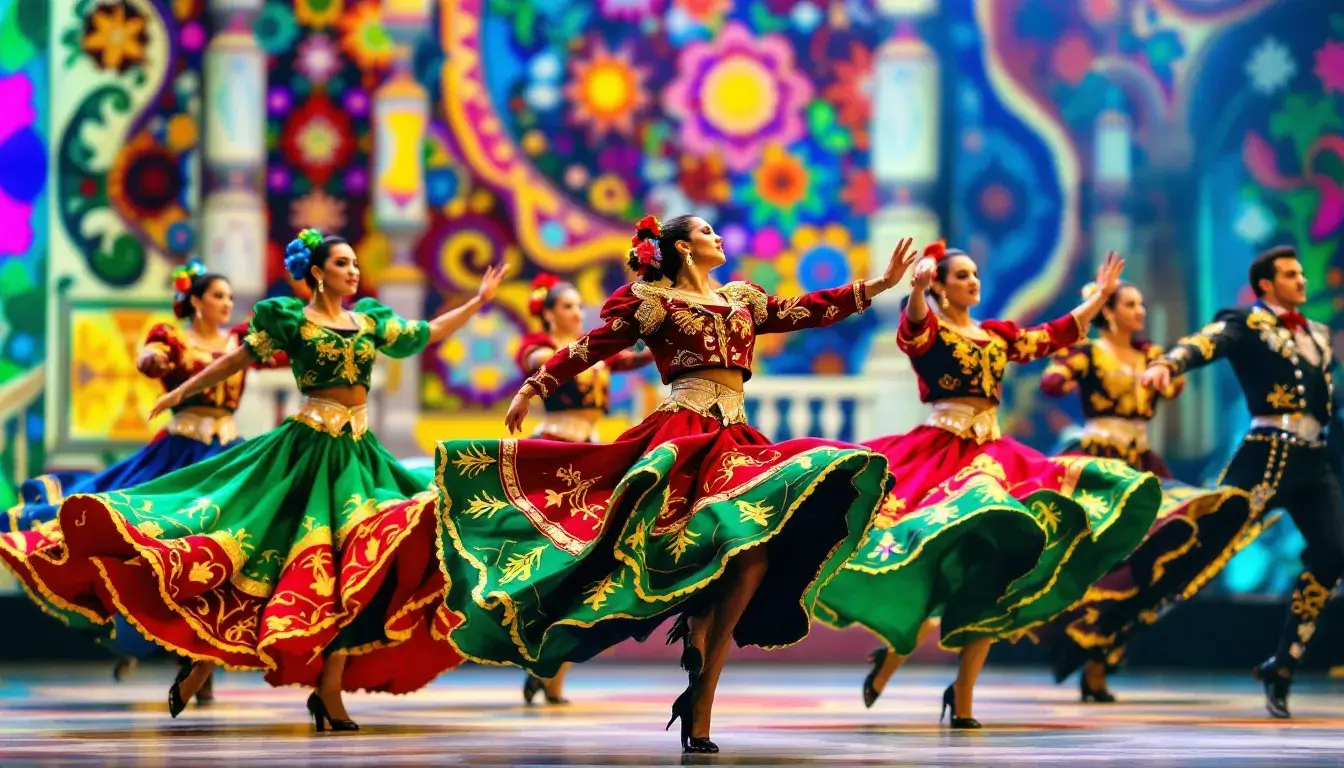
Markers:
point(308, 540)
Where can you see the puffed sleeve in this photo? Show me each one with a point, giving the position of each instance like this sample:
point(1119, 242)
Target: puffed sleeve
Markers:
point(279, 360)
point(1213, 341)
point(1171, 392)
point(914, 339)
point(817, 309)
point(275, 326)
point(1066, 367)
point(164, 344)
point(1028, 344)
point(620, 329)
point(392, 335)
point(530, 345)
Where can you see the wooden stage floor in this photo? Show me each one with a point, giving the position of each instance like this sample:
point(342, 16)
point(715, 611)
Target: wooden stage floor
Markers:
point(768, 715)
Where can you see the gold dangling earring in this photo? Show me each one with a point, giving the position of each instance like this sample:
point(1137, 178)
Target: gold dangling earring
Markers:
point(320, 285)
point(689, 260)
point(198, 313)
point(943, 302)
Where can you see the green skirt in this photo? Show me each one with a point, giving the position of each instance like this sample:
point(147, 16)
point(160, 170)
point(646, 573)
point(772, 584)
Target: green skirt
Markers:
point(282, 549)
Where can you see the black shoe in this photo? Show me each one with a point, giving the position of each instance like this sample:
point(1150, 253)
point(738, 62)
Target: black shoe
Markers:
point(318, 710)
point(175, 701)
point(870, 694)
point(956, 723)
point(1276, 688)
point(531, 685)
point(1099, 695)
point(681, 708)
point(691, 659)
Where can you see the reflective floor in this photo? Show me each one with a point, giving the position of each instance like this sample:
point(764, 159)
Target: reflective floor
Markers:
point(767, 715)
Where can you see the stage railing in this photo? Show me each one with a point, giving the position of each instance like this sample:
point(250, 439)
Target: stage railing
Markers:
point(784, 407)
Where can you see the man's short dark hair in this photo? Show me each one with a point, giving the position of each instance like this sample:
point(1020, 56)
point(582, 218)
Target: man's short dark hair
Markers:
point(1265, 266)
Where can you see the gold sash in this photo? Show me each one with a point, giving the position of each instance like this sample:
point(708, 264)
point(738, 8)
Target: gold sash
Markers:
point(708, 399)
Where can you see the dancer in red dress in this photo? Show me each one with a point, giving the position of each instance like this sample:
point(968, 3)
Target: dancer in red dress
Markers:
point(574, 409)
point(565, 549)
point(989, 533)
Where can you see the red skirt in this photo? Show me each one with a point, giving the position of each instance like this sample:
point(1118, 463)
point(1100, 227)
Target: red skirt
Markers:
point(994, 537)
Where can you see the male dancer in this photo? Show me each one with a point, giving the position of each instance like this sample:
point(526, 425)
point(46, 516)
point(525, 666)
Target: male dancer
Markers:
point(1283, 363)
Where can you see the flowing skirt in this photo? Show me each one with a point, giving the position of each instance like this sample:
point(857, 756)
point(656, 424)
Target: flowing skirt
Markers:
point(1170, 565)
point(995, 538)
point(42, 495)
point(557, 551)
point(285, 547)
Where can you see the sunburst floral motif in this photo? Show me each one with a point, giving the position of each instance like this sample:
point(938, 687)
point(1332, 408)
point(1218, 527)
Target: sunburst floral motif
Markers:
point(606, 91)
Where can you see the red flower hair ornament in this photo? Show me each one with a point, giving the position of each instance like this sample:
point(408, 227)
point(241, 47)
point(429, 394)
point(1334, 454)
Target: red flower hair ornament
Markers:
point(541, 288)
point(645, 252)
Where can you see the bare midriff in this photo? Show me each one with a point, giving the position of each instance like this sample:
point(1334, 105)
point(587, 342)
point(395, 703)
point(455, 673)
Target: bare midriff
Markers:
point(350, 397)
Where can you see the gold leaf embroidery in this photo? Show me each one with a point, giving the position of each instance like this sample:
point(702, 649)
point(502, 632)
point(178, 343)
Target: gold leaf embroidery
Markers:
point(831, 312)
point(681, 541)
point(636, 540)
point(150, 528)
point(949, 382)
point(735, 460)
point(472, 461)
point(890, 512)
point(484, 504)
point(745, 293)
point(790, 310)
point(754, 512)
point(261, 344)
point(740, 324)
point(651, 312)
point(686, 358)
point(201, 573)
point(519, 566)
point(599, 592)
point(392, 331)
point(576, 496)
point(579, 349)
point(1030, 344)
point(278, 623)
point(1049, 514)
point(689, 321)
point(1093, 505)
point(1282, 397)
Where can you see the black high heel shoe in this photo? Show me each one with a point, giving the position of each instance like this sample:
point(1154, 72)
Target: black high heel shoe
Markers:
point(1099, 695)
point(1276, 688)
point(534, 685)
point(870, 694)
point(690, 745)
point(175, 701)
point(318, 709)
point(956, 723)
point(691, 659)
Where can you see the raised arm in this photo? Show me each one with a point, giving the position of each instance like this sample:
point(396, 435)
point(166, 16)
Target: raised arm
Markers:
point(217, 371)
point(449, 322)
point(1197, 350)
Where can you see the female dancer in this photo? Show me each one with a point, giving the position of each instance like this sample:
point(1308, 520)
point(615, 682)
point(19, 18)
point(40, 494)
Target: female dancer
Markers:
point(296, 552)
point(1105, 374)
point(567, 549)
point(572, 410)
point(1046, 528)
point(200, 427)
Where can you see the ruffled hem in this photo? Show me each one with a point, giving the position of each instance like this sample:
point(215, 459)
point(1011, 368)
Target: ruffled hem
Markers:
point(538, 584)
point(995, 537)
point(208, 594)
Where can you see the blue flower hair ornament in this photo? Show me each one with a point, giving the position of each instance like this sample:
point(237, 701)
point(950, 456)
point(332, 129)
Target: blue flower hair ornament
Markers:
point(299, 253)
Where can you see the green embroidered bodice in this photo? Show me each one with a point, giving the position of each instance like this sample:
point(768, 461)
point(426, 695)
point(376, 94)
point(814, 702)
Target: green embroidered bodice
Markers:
point(322, 357)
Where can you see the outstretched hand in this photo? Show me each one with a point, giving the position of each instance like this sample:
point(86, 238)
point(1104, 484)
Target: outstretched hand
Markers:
point(903, 256)
point(490, 282)
point(1108, 275)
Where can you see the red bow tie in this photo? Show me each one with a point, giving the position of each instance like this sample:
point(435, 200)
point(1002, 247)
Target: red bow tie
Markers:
point(1294, 321)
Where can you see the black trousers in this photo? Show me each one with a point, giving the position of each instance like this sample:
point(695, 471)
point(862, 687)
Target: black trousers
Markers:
point(1303, 479)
